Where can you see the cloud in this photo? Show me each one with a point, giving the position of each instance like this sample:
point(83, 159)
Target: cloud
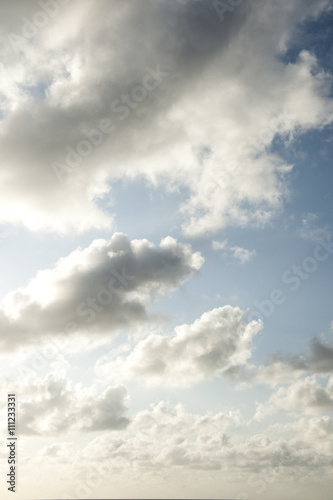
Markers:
point(167, 442)
point(169, 438)
point(309, 229)
point(219, 245)
point(279, 370)
point(282, 369)
point(54, 406)
point(97, 290)
point(306, 395)
point(218, 96)
point(236, 252)
point(216, 343)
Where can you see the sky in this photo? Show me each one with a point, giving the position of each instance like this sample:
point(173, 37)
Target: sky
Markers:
point(166, 248)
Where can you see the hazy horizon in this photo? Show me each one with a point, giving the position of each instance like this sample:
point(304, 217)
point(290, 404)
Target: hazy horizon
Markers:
point(166, 249)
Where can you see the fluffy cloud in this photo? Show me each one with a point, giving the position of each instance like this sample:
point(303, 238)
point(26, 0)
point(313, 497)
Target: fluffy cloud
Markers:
point(167, 444)
point(166, 438)
point(205, 121)
point(306, 395)
point(218, 342)
point(54, 406)
point(104, 287)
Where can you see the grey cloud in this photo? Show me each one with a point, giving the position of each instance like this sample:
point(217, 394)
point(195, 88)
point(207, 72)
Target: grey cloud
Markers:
point(305, 395)
point(83, 75)
point(284, 369)
point(96, 290)
point(83, 68)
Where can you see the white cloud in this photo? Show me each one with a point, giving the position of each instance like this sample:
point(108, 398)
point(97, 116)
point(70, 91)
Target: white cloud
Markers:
point(54, 406)
point(166, 436)
point(242, 254)
point(168, 440)
point(305, 395)
point(208, 126)
point(278, 371)
point(236, 252)
point(215, 450)
point(216, 343)
point(101, 288)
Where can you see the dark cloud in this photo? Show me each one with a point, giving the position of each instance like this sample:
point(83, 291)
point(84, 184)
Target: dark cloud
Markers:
point(96, 290)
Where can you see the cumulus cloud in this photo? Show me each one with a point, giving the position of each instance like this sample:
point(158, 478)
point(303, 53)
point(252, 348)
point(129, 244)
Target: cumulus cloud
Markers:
point(279, 370)
point(307, 395)
point(167, 442)
point(216, 343)
point(54, 406)
point(215, 97)
point(99, 289)
point(168, 435)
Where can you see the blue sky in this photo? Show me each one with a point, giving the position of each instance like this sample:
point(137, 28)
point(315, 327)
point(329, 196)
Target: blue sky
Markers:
point(162, 195)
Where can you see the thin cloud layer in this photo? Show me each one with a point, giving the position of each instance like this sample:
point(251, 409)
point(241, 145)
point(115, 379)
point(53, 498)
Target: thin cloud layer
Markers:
point(241, 254)
point(99, 289)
